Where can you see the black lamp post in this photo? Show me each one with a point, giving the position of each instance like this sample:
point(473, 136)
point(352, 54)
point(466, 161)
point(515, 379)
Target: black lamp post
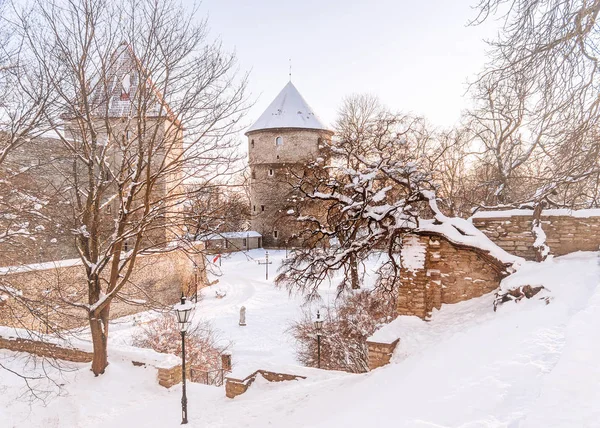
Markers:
point(183, 311)
point(195, 282)
point(318, 328)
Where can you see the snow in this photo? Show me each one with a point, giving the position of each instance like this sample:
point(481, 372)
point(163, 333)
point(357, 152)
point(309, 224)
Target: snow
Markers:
point(528, 365)
point(413, 253)
point(288, 110)
point(592, 212)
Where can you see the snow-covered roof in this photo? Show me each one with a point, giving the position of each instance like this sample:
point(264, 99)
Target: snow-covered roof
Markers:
point(231, 235)
point(288, 110)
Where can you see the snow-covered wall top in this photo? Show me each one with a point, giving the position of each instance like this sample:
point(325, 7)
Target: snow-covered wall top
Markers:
point(550, 213)
point(288, 110)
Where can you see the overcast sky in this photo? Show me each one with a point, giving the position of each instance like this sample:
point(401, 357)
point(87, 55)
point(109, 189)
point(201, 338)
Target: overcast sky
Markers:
point(415, 55)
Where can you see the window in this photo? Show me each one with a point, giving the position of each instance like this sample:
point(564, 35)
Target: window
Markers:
point(279, 141)
point(245, 242)
point(275, 234)
point(253, 207)
point(262, 208)
point(271, 173)
point(252, 144)
point(109, 209)
point(226, 244)
point(253, 174)
point(125, 246)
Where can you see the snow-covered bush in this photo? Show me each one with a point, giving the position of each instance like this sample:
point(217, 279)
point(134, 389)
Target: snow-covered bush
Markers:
point(203, 347)
point(346, 327)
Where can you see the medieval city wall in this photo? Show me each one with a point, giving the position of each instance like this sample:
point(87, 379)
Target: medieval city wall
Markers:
point(566, 231)
point(436, 271)
point(53, 290)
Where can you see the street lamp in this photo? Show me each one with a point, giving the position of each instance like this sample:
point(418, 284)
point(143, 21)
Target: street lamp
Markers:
point(195, 282)
point(319, 329)
point(183, 311)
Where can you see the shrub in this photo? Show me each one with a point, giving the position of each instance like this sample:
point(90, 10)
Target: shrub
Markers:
point(346, 327)
point(203, 347)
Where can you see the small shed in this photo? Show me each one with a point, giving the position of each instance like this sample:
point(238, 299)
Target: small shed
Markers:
point(232, 241)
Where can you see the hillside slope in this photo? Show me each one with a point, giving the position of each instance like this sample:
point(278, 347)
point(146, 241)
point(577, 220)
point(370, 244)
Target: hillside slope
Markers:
point(527, 365)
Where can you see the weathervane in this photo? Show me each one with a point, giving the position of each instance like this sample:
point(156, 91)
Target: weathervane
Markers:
point(290, 69)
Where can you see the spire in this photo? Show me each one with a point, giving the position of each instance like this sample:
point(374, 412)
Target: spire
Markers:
point(288, 110)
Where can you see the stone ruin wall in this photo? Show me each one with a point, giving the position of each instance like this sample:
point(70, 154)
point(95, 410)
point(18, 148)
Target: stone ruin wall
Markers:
point(157, 282)
point(566, 231)
point(448, 273)
point(443, 272)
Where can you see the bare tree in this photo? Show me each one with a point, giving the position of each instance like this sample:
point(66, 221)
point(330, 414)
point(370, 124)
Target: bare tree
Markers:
point(144, 101)
point(539, 119)
point(218, 207)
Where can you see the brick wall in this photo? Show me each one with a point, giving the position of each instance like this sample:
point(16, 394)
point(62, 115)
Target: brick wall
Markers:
point(566, 231)
point(448, 273)
point(157, 281)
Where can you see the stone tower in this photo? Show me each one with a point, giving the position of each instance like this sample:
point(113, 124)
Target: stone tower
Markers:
point(284, 138)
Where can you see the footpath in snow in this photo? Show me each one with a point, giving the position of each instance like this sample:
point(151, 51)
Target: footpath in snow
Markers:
point(527, 365)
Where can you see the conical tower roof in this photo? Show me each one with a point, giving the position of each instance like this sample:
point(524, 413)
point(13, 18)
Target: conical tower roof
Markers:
point(288, 110)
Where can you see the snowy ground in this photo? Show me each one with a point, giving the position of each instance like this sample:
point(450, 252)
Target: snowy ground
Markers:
point(527, 365)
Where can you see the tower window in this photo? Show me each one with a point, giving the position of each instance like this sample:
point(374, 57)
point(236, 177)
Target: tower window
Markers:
point(271, 172)
point(253, 207)
point(253, 174)
point(279, 141)
point(275, 234)
point(262, 208)
point(245, 242)
point(252, 144)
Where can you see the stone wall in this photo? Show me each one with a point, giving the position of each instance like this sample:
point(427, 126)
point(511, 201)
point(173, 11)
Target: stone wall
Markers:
point(235, 387)
point(436, 271)
point(168, 366)
point(51, 292)
point(45, 349)
point(380, 354)
point(566, 231)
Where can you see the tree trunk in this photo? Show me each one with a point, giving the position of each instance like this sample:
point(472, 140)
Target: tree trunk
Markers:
point(99, 329)
point(354, 272)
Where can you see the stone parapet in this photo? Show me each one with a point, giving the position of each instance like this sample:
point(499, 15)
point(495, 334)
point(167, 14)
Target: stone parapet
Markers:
point(380, 354)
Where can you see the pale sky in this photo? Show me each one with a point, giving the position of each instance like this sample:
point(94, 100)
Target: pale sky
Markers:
point(415, 55)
